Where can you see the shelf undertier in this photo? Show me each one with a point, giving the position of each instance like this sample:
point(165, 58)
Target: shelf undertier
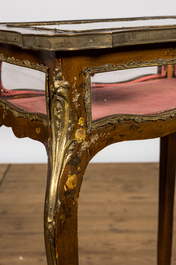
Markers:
point(30, 104)
point(143, 98)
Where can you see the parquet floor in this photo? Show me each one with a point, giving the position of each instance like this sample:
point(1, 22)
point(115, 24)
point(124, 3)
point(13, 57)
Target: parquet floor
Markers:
point(117, 214)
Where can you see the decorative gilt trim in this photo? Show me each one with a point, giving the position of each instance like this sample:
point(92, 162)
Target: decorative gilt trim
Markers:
point(25, 63)
point(61, 149)
point(132, 64)
point(87, 100)
point(136, 118)
point(21, 114)
point(121, 117)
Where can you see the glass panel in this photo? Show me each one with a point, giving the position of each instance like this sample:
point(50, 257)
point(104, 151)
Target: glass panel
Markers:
point(23, 87)
point(123, 75)
point(140, 91)
point(18, 77)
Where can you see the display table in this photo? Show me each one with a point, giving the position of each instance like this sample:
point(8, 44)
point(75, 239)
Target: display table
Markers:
point(82, 108)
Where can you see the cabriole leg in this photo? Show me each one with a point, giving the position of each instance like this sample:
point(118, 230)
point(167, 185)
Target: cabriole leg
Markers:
point(64, 180)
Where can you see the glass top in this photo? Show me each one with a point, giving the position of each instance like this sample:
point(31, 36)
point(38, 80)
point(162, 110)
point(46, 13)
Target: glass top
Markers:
point(121, 24)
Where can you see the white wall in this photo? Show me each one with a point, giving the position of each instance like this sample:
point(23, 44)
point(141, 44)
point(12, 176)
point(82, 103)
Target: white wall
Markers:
point(38, 10)
point(24, 150)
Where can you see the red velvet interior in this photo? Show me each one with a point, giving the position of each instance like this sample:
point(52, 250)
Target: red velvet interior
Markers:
point(136, 98)
point(142, 98)
point(31, 104)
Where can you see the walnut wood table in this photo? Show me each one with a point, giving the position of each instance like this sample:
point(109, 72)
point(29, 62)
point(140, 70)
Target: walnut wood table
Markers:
point(87, 104)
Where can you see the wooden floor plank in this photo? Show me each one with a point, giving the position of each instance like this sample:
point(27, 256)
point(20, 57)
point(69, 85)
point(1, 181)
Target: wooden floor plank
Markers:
point(117, 215)
point(21, 209)
point(23, 258)
point(3, 169)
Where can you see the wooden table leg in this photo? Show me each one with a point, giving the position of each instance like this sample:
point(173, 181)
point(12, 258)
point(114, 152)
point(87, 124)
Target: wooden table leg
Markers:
point(166, 198)
point(65, 172)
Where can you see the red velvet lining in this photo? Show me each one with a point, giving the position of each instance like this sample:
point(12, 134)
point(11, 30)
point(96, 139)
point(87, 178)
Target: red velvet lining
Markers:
point(142, 98)
point(31, 104)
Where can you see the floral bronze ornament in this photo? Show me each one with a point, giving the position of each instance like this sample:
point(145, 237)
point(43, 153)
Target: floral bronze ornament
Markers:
point(61, 149)
point(71, 181)
point(80, 135)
